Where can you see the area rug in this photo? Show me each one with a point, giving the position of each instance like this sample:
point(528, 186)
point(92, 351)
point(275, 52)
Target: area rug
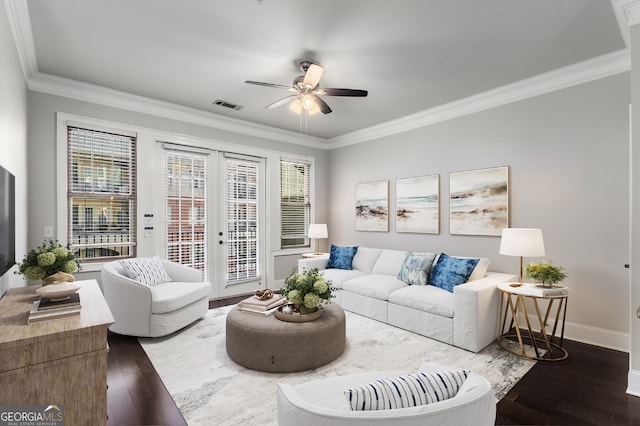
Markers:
point(209, 388)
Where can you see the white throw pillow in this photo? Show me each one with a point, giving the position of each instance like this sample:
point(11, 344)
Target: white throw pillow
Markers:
point(147, 271)
point(410, 390)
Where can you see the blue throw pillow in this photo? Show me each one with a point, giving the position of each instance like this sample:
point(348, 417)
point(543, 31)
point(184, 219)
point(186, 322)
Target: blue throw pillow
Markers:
point(415, 268)
point(449, 272)
point(341, 257)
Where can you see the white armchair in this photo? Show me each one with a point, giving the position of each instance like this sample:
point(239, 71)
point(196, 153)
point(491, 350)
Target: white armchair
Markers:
point(152, 311)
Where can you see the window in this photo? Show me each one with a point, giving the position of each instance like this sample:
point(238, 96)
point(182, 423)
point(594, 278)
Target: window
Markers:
point(295, 206)
point(101, 198)
point(186, 204)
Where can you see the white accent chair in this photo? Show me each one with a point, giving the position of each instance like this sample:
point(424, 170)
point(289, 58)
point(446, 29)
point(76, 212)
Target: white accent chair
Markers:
point(153, 311)
point(322, 403)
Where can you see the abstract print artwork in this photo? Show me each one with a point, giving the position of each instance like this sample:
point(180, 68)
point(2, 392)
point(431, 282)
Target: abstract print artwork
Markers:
point(372, 206)
point(418, 204)
point(479, 201)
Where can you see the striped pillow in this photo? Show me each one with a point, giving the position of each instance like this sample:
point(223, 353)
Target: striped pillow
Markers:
point(410, 390)
point(147, 271)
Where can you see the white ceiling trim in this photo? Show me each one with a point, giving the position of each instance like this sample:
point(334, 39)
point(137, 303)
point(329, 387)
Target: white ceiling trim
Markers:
point(572, 75)
point(593, 69)
point(54, 85)
point(627, 14)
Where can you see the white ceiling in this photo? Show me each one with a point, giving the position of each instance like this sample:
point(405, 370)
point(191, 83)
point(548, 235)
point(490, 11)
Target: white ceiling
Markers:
point(411, 55)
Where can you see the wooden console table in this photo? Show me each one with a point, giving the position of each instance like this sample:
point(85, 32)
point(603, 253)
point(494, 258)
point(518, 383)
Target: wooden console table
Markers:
point(61, 361)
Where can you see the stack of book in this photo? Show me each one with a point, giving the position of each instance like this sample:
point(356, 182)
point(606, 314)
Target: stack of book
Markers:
point(266, 307)
point(46, 309)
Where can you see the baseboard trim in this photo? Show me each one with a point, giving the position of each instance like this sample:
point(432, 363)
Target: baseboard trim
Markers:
point(633, 383)
point(591, 335)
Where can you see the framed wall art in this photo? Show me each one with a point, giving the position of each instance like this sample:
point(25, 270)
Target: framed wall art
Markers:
point(479, 201)
point(372, 206)
point(418, 204)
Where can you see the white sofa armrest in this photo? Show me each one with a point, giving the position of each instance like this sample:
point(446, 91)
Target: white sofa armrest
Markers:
point(312, 262)
point(129, 302)
point(475, 311)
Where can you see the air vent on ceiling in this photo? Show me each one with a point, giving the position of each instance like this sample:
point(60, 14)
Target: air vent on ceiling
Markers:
point(227, 104)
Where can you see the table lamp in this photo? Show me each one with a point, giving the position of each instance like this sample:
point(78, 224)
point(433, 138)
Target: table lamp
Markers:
point(522, 242)
point(316, 232)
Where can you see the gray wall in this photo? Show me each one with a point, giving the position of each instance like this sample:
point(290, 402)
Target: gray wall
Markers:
point(568, 154)
point(42, 153)
point(13, 137)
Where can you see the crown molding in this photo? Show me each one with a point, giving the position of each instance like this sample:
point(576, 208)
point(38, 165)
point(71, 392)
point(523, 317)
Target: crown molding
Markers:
point(627, 14)
point(572, 75)
point(20, 24)
point(59, 86)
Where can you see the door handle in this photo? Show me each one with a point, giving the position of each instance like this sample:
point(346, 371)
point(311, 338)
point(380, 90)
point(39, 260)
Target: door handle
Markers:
point(638, 312)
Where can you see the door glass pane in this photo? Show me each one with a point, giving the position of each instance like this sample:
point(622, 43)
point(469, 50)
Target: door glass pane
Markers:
point(242, 210)
point(186, 204)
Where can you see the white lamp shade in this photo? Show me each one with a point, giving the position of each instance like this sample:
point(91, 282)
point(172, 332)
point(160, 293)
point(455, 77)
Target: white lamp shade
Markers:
point(318, 230)
point(525, 242)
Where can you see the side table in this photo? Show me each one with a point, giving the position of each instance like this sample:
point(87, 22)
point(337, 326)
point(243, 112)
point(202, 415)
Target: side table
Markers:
point(314, 255)
point(512, 302)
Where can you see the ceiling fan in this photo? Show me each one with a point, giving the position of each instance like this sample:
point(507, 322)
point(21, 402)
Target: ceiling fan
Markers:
point(307, 91)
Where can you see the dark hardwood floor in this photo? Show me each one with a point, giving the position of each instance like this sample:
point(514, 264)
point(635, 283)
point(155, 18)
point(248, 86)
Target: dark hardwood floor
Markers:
point(586, 389)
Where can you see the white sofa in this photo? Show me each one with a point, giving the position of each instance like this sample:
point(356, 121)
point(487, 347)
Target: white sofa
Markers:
point(322, 402)
point(466, 318)
point(153, 311)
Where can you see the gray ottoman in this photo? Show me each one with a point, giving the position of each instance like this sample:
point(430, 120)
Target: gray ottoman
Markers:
point(268, 344)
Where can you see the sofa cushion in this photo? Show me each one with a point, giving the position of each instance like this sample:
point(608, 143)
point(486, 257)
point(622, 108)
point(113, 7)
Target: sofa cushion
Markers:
point(428, 298)
point(415, 268)
point(169, 297)
point(147, 271)
point(341, 257)
point(410, 390)
point(449, 272)
point(377, 286)
point(389, 262)
point(338, 276)
point(365, 258)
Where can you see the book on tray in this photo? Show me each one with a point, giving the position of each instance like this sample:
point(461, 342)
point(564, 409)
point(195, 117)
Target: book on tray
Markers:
point(539, 291)
point(267, 306)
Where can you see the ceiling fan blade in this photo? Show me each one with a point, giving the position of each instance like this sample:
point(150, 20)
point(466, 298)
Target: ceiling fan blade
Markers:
point(313, 75)
point(322, 104)
point(281, 102)
point(341, 92)
point(277, 86)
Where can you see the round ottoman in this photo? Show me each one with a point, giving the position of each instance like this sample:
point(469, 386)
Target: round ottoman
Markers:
point(268, 344)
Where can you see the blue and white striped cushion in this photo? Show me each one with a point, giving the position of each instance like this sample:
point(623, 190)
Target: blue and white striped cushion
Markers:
point(410, 390)
point(146, 271)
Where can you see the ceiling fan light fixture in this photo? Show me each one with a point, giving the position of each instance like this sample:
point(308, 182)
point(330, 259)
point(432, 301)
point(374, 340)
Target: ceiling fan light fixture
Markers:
point(307, 101)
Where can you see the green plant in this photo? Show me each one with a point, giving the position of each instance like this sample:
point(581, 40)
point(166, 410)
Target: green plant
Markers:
point(307, 289)
point(47, 259)
point(546, 272)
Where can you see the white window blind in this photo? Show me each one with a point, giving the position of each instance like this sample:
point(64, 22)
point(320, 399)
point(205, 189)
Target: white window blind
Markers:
point(295, 205)
point(101, 198)
point(242, 205)
point(186, 208)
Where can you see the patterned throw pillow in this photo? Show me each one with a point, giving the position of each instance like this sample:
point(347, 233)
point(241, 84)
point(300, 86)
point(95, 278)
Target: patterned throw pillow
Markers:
point(410, 390)
point(449, 272)
point(147, 271)
point(341, 257)
point(415, 268)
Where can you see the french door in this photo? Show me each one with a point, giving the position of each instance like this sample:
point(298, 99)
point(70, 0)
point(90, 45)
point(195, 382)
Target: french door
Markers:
point(215, 216)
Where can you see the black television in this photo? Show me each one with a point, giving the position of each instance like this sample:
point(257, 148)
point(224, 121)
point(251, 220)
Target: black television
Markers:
point(7, 220)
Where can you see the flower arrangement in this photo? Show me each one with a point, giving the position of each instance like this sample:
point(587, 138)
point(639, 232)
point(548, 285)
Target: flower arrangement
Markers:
point(47, 259)
point(546, 272)
point(307, 290)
